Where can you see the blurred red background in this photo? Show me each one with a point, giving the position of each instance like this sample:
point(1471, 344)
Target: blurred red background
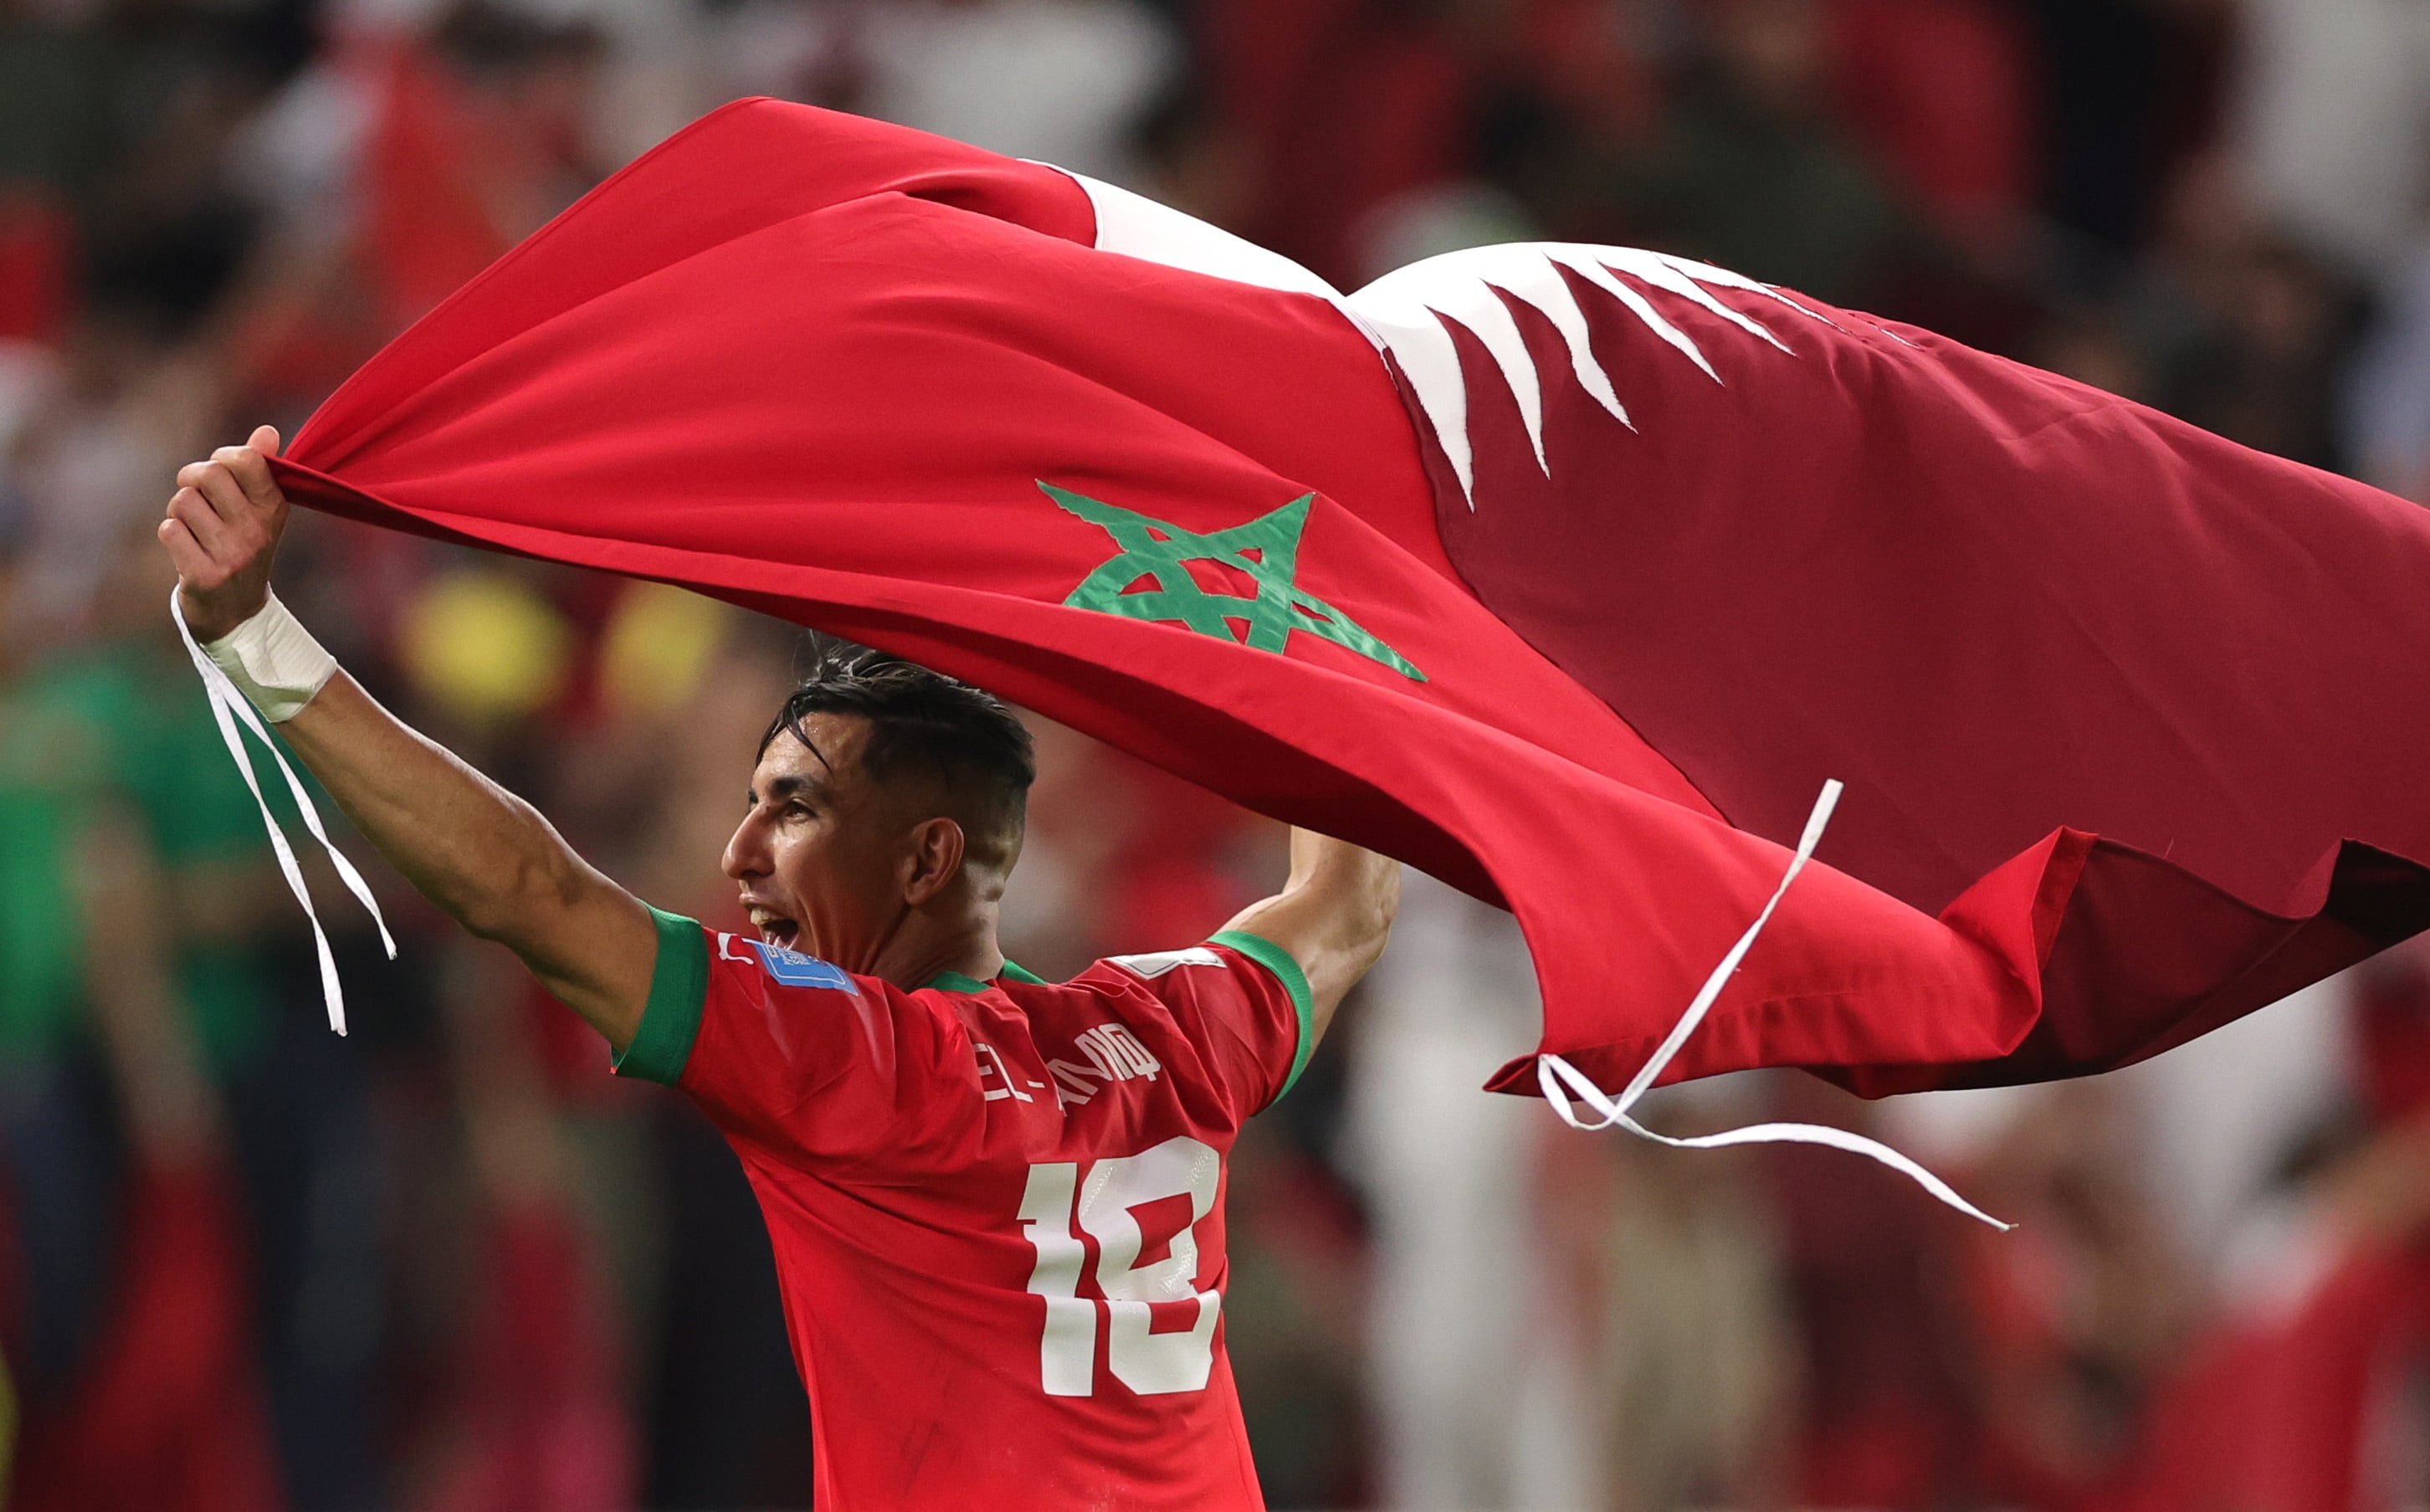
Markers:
point(446, 1263)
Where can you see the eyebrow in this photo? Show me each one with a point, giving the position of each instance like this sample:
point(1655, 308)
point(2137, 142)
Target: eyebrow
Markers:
point(790, 787)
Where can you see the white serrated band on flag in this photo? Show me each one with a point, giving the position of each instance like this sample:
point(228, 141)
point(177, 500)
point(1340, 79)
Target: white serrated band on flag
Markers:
point(1558, 1079)
point(229, 707)
point(1407, 309)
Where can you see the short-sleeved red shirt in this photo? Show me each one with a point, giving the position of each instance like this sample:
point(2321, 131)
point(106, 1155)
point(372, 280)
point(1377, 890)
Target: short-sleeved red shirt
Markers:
point(997, 1207)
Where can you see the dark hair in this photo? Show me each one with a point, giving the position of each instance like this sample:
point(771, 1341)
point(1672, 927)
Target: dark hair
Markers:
point(919, 721)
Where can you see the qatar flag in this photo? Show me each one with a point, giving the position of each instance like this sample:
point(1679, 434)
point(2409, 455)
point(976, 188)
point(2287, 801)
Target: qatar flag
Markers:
point(1567, 573)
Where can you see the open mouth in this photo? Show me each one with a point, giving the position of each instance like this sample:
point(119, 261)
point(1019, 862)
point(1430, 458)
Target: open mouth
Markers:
point(776, 929)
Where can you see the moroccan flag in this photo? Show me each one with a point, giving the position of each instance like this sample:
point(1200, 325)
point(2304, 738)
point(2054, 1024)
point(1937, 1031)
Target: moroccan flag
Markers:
point(1567, 573)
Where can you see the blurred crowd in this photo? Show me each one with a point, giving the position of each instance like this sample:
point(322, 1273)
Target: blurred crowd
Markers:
point(446, 1263)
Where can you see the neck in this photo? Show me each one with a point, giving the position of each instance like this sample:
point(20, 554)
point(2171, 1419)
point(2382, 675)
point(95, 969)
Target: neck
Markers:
point(980, 963)
point(917, 956)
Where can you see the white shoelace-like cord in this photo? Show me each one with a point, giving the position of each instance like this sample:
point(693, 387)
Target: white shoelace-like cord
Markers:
point(1559, 1079)
point(230, 706)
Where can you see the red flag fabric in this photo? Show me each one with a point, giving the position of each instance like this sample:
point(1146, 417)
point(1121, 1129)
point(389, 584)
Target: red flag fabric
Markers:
point(1568, 574)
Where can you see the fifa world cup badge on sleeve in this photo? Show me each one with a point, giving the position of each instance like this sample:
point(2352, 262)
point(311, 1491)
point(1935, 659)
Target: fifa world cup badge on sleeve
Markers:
point(790, 968)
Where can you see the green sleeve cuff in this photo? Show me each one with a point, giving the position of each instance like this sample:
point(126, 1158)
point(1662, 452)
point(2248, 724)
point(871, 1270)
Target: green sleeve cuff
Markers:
point(1278, 960)
point(671, 1019)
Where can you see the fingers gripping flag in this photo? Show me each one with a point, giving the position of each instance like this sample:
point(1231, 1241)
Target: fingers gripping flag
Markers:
point(1567, 573)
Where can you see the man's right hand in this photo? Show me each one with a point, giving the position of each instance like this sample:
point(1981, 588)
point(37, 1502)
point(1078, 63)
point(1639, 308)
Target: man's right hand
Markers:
point(478, 851)
point(222, 532)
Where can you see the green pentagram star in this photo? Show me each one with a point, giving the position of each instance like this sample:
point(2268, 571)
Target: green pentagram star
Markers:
point(1265, 549)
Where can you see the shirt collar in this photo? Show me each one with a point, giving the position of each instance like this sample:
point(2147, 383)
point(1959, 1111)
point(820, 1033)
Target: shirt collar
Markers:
point(956, 982)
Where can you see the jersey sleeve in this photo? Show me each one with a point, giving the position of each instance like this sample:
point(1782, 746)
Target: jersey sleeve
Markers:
point(781, 1048)
point(1243, 1002)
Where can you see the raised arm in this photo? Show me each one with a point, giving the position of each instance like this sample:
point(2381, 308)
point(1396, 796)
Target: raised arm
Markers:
point(1332, 915)
point(478, 851)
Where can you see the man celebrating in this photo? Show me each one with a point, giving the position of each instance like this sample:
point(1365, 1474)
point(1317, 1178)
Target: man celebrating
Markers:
point(996, 1203)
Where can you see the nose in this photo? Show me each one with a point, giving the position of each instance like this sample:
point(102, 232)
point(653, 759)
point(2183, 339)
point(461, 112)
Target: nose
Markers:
point(746, 855)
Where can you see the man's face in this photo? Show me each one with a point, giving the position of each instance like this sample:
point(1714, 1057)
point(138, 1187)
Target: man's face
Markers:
point(823, 851)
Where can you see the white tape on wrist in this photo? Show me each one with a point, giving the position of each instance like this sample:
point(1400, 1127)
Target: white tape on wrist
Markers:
point(273, 661)
point(230, 709)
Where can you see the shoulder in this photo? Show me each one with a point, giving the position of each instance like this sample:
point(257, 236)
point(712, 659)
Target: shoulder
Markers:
point(1235, 951)
point(807, 1060)
point(1240, 1001)
point(757, 1003)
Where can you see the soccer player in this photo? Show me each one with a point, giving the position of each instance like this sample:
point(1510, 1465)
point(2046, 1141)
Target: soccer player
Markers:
point(996, 1201)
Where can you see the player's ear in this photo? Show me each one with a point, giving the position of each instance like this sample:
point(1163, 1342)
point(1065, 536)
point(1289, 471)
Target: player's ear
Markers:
point(934, 860)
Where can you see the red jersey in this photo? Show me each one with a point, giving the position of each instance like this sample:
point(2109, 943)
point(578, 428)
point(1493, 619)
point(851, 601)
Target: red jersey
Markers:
point(997, 1207)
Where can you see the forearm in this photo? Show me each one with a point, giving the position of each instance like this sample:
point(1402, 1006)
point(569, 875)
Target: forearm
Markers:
point(479, 853)
point(484, 857)
point(1333, 914)
point(469, 846)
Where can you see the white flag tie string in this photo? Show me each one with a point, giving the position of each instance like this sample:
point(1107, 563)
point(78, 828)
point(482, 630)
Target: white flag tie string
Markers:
point(230, 706)
point(1559, 1079)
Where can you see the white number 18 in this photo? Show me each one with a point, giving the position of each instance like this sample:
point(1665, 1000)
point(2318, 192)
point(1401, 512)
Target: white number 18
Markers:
point(1148, 1363)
